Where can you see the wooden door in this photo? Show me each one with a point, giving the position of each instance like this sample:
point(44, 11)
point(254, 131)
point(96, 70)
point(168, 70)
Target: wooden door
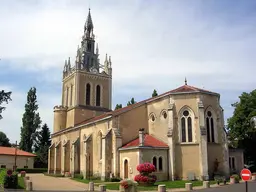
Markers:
point(126, 169)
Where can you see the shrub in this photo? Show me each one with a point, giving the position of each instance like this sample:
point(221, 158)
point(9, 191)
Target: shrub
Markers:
point(10, 180)
point(23, 173)
point(115, 179)
point(78, 176)
point(2, 175)
point(126, 183)
point(35, 170)
point(236, 177)
point(145, 170)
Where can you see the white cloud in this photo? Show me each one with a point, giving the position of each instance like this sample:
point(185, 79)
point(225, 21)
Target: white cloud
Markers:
point(12, 116)
point(153, 46)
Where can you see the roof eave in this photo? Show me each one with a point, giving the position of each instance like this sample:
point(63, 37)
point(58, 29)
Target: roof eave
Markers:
point(141, 147)
point(79, 126)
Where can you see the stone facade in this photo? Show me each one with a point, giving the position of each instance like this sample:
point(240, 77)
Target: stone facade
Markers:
point(89, 137)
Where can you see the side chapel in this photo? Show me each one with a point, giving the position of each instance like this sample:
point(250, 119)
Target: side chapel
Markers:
point(181, 131)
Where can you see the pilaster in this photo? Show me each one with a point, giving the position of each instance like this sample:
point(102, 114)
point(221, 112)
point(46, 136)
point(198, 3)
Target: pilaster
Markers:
point(85, 175)
point(203, 154)
point(63, 159)
point(55, 159)
point(171, 143)
point(116, 145)
point(49, 160)
point(103, 160)
point(72, 160)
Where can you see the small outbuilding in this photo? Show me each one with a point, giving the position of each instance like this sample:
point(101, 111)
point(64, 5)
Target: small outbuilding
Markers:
point(23, 159)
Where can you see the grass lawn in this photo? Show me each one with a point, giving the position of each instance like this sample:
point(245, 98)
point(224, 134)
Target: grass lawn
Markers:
point(86, 180)
point(169, 184)
point(21, 183)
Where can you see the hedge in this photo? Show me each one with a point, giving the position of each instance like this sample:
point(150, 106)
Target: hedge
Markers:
point(35, 170)
point(8, 181)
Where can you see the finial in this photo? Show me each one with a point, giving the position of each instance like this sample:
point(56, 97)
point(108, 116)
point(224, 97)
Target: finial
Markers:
point(106, 59)
point(185, 81)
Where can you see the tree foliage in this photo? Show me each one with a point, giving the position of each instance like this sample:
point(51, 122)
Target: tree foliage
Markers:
point(30, 122)
point(131, 102)
point(154, 94)
point(5, 97)
point(118, 106)
point(42, 145)
point(4, 140)
point(241, 133)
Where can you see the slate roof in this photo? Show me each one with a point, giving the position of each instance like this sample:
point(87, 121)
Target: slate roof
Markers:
point(11, 151)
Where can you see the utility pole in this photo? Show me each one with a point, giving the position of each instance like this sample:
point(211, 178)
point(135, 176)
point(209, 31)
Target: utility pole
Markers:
point(15, 156)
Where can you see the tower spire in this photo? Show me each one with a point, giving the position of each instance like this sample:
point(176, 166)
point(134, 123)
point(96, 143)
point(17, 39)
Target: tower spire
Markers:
point(88, 27)
point(186, 81)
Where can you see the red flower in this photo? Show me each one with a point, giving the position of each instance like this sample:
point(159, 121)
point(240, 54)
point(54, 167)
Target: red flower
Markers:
point(146, 168)
point(9, 172)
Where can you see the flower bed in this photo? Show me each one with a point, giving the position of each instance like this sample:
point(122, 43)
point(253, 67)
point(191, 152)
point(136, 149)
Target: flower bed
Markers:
point(145, 178)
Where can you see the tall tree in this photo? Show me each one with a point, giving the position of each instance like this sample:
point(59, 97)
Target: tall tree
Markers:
point(131, 102)
point(118, 106)
point(4, 140)
point(154, 94)
point(5, 97)
point(42, 145)
point(30, 122)
point(241, 133)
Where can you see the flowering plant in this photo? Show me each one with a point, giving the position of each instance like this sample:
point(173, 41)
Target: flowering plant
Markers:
point(9, 172)
point(146, 168)
point(126, 183)
point(23, 173)
point(144, 177)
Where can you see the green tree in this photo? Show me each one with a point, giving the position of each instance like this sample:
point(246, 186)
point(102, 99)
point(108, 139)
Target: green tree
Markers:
point(131, 102)
point(42, 145)
point(30, 122)
point(5, 97)
point(118, 106)
point(4, 141)
point(241, 133)
point(154, 94)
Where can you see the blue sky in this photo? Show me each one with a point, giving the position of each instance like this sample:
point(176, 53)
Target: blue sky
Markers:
point(155, 43)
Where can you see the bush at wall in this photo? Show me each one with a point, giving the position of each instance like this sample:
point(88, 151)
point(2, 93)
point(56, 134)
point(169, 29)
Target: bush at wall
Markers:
point(10, 180)
point(35, 170)
point(145, 177)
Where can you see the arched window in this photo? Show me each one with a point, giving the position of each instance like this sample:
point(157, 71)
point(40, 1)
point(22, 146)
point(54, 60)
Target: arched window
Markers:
point(88, 94)
point(160, 164)
point(100, 145)
point(155, 162)
point(98, 95)
point(210, 127)
point(186, 127)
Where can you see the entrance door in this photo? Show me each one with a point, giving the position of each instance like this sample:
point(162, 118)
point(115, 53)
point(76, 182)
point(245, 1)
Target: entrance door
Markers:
point(126, 169)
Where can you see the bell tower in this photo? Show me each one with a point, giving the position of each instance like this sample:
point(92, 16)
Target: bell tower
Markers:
point(86, 85)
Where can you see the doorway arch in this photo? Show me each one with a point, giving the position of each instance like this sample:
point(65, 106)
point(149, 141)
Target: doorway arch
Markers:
point(125, 168)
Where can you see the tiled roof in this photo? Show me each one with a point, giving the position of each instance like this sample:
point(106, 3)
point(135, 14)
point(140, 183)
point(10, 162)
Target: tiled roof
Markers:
point(11, 151)
point(182, 89)
point(149, 141)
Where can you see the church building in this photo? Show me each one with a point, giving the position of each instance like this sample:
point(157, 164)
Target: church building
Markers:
point(181, 131)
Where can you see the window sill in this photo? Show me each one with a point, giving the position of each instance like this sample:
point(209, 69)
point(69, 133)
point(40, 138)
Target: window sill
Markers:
point(213, 143)
point(188, 143)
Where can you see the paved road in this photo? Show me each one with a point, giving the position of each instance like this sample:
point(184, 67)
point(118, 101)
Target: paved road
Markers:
point(232, 188)
point(46, 183)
